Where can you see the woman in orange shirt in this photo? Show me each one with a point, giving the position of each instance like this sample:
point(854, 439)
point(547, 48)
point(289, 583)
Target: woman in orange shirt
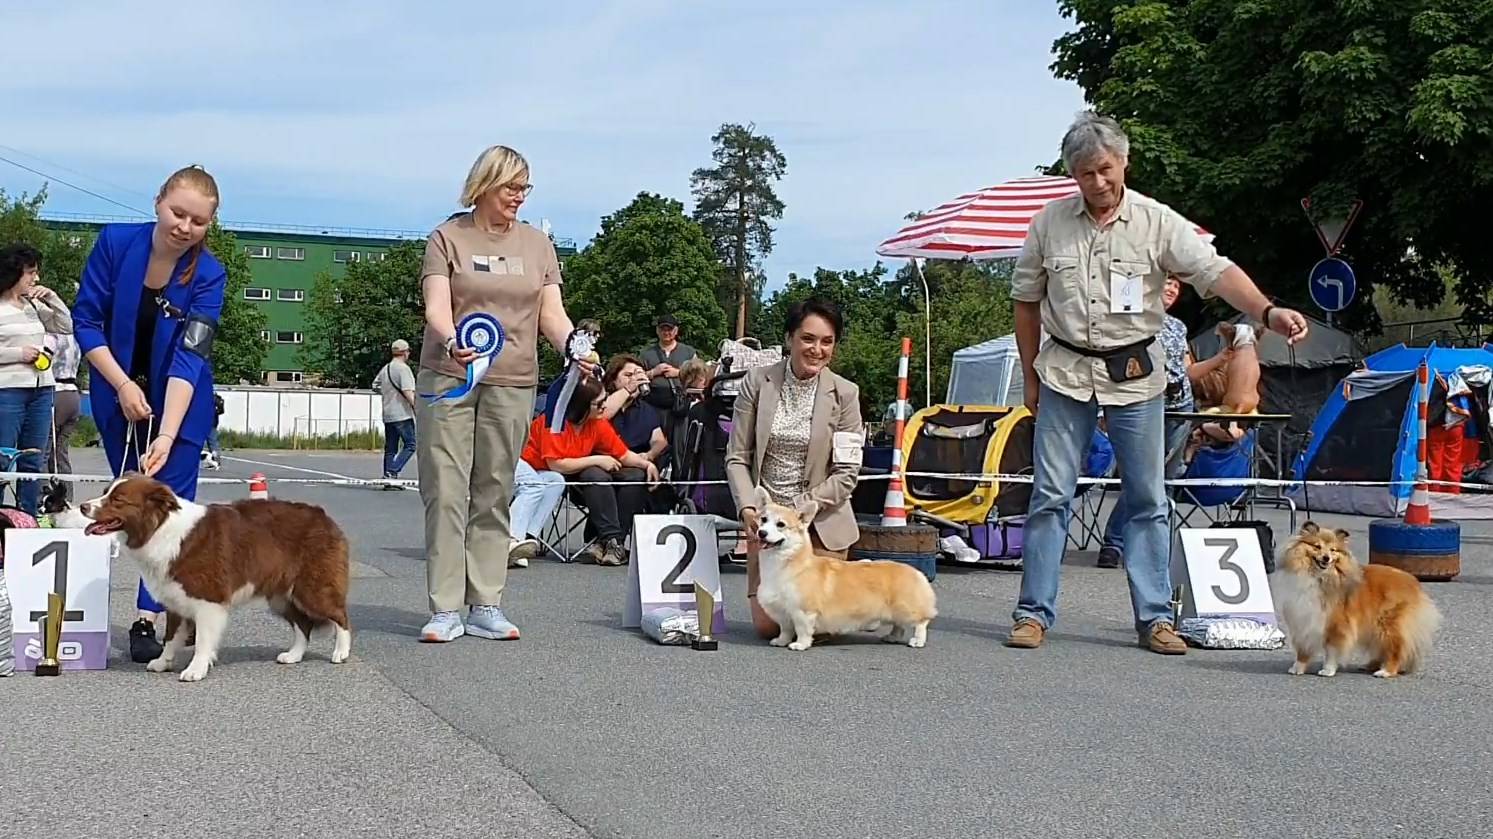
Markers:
point(587, 448)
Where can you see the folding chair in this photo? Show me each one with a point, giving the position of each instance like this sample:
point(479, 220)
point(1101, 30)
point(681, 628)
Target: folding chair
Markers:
point(567, 517)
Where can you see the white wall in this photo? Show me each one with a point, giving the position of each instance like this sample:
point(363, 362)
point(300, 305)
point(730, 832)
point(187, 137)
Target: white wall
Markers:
point(300, 411)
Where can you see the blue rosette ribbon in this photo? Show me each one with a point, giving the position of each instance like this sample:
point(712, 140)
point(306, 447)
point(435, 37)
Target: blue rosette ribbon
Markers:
point(482, 333)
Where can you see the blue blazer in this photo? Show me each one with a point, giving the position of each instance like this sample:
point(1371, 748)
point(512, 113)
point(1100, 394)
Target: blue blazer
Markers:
point(105, 316)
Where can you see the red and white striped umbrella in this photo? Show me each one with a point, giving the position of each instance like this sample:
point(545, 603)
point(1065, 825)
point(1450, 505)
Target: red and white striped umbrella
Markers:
point(988, 224)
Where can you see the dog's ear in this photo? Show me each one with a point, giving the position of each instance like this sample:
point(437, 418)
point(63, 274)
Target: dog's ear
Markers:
point(1343, 534)
point(1309, 527)
point(162, 498)
point(759, 497)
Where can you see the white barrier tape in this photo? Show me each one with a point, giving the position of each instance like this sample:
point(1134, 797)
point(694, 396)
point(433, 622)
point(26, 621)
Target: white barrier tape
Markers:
point(405, 483)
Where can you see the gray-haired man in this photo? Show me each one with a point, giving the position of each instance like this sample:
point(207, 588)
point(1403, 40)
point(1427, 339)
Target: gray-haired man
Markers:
point(1092, 273)
point(395, 383)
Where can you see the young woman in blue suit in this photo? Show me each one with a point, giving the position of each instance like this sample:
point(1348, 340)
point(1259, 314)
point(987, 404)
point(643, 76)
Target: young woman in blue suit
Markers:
point(145, 317)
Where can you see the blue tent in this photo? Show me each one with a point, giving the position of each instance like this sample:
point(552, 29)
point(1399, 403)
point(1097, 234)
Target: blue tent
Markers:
point(1369, 431)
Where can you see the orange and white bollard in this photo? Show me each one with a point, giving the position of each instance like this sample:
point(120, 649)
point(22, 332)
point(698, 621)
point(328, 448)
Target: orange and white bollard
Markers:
point(1419, 511)
point(258, 486)
point(894, 510)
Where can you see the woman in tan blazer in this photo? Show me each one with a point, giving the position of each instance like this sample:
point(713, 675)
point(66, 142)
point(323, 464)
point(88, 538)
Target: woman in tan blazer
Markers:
point(797, 432)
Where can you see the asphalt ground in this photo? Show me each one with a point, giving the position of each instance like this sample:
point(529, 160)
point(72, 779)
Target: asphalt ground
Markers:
point(587, 729)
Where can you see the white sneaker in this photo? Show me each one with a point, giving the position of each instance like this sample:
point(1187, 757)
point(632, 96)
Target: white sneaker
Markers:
point(520, 551)
point(442, 627)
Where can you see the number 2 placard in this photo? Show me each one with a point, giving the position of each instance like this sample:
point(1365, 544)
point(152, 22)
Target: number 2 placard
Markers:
point(39, 561)
point(1226, 573)
point(669, 555)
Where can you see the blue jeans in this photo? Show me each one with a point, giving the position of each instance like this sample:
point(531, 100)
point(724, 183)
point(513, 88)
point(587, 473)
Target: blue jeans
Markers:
point(399, 446)
point(26, 423)
point(212, 442)
point(535, 495)
point(1064, 429)
point(1176, 435)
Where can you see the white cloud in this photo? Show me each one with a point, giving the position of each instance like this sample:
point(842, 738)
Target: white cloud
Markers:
point(371, 112)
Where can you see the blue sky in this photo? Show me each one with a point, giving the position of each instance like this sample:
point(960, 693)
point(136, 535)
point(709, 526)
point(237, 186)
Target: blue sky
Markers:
point(369, 114)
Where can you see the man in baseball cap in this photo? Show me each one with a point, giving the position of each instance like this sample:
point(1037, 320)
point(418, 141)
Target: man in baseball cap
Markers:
point(395, 384)
point(664, 360)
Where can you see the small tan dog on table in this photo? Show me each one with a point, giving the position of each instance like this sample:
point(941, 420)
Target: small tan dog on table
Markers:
point(806, 593)
point(1351, 614)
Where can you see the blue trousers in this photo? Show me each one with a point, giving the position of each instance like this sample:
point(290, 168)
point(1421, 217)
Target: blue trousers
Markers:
point(179, 473)
point(26, 423)
point(399, 446)
point(1064, 428)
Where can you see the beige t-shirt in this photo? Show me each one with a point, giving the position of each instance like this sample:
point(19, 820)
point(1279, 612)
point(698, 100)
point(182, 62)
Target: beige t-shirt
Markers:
point(500, 274)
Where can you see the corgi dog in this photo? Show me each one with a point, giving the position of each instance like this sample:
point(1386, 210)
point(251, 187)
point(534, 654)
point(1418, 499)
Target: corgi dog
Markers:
point(806, 593)
point(1349, 613)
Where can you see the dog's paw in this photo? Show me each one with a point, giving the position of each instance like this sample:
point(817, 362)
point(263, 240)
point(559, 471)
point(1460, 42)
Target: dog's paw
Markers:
point(159, 665)
point(800, 646)
point(780, 641)
point(339, 656)
point(916, 642)
point(1327, 672)
point(1297, 668)
point(289, 657)
point(1381, 673)
point(195, 672)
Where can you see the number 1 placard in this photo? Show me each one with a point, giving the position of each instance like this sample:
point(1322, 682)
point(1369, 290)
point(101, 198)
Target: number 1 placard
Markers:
point(1226, 574)
point(39, 561)
point(669, 555)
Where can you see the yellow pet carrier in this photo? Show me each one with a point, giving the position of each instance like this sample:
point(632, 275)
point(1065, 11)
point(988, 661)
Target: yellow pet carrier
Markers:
point(968, 440)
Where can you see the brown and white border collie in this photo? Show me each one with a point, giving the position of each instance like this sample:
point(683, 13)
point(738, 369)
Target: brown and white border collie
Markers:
point(199, 560)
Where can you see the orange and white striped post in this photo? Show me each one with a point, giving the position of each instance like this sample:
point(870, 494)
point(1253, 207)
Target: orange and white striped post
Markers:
point(1419, 511)
point(258, 486)
point(894, 510)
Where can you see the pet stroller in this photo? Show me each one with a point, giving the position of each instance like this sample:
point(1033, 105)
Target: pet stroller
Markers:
point(976, 440)
point(700, 457)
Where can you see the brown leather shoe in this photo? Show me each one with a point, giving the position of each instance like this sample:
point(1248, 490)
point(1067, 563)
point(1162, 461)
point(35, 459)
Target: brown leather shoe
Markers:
point(1027, 634)
point(1164, 639)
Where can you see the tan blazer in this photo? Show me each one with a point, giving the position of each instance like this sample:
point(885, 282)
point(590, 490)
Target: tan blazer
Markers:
point(837, 408)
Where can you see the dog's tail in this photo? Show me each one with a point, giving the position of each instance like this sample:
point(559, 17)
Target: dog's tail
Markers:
point(1418, 628)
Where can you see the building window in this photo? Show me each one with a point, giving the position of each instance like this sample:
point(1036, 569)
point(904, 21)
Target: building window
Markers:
point(291, 376)
point(75, 241)
point(257, 251)
point(290, 295)
point(295, 254)
point(288, 337)
point(561, 265)
point(344, 256)
point(264, 334)
point(375, 257)
point(337, 297)
point(256, 294)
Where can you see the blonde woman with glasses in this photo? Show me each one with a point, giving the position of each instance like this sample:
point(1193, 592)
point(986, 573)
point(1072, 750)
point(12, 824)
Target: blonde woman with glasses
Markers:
point(474, 409)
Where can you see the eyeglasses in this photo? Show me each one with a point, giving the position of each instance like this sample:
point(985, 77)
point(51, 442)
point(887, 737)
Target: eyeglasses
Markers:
point(517, 189)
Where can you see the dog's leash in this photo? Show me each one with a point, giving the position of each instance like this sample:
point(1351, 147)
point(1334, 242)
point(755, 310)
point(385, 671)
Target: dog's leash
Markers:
point(134, 443)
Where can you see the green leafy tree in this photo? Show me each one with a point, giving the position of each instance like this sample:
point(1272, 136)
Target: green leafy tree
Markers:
point(352, 320)
point(735, 203)
point(239, 346)
point(649, 259)
point(62, 253)
point(1237, 109)
point(971, 304)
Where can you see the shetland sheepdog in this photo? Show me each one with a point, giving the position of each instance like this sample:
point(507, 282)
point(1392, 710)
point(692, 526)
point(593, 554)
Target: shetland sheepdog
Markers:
point(806, 593)
point(1351, 614)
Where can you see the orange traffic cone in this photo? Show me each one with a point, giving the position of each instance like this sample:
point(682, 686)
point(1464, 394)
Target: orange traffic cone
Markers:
point(258, 486)
point(1419, 511)
point(894, 509)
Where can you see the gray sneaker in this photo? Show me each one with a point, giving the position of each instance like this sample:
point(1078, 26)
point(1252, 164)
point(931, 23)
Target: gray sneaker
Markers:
point(442, 627)
point(489, 622)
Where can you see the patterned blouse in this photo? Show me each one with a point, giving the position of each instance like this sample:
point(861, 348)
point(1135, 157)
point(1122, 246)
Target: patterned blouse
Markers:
point(1174, 345)
point(787, 450)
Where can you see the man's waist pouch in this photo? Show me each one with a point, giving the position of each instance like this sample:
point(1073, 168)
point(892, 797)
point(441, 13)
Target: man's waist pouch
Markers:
point(1125, 364)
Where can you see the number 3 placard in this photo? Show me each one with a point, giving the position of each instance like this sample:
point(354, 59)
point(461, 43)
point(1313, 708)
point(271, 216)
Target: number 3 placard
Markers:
point(1226, 574)
point(39, 561)
point(669, 555)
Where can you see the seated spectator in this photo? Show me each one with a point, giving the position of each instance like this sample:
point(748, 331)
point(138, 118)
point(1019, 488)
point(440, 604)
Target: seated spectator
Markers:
point(589, 452)
point(634, 420)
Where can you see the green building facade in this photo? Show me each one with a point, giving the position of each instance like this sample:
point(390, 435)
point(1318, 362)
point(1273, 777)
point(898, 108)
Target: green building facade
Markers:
point(284, 261)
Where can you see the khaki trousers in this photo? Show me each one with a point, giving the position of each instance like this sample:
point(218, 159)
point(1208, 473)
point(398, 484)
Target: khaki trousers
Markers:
point(468, 449)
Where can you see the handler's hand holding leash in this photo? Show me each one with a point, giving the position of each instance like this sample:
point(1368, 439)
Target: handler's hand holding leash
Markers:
point(1288, 322)
point(155, 456)
point(132, 401)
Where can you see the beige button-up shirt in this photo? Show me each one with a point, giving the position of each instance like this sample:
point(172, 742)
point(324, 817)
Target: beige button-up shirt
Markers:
point(1069, 264)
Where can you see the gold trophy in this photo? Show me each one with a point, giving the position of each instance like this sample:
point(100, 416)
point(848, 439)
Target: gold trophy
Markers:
point(705, 607)
point(51, 636)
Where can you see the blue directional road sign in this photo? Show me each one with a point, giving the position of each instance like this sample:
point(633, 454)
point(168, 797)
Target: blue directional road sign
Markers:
point(1332, 284)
